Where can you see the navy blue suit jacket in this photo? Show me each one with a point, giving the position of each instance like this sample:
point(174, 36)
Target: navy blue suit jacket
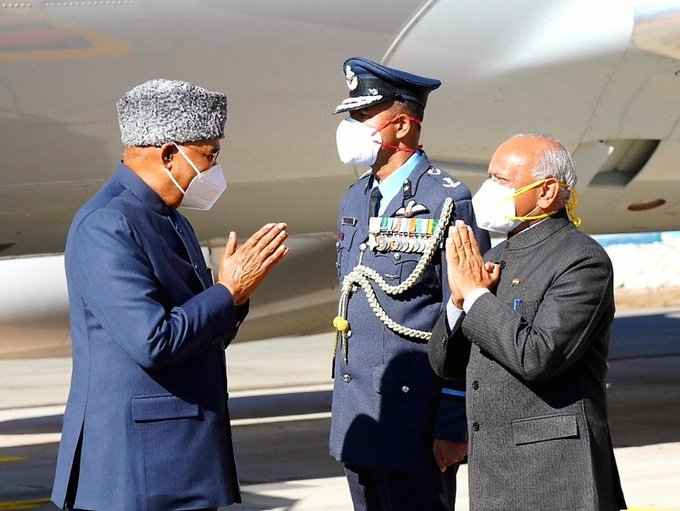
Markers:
point(388, 405)
point(146, 425)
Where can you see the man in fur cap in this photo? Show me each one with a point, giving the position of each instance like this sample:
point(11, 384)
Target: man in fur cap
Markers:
point(146, 424)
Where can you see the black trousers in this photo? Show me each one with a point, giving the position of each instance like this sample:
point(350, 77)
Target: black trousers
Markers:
point(378, 490)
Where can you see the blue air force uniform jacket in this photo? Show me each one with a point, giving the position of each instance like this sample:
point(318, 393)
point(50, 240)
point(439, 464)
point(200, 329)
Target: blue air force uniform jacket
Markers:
point(536, 404)
point(146, 425)
point(388, 405)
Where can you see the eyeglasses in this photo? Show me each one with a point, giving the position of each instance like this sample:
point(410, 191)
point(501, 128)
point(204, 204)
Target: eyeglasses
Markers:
point(211, 157)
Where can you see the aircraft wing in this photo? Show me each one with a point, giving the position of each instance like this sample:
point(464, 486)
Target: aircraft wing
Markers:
point(601, 75)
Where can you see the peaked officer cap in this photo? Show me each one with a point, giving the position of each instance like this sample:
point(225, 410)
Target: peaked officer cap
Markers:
point(371, 83)
point(160, 111)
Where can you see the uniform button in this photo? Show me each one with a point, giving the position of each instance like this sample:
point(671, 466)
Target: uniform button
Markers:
point(475, 384)
point(475, 426)
point(337, 244)
point(397, 256)
point(349, 334)
point(346, 378)
point(405, 389)
point(363, 247)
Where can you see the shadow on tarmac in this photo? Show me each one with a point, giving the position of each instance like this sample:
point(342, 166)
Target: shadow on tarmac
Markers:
point(644, 380)
point(642, 336)
point(643, 396)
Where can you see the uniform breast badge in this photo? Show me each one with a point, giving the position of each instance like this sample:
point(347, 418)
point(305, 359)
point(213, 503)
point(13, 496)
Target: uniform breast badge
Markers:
point(411, 209)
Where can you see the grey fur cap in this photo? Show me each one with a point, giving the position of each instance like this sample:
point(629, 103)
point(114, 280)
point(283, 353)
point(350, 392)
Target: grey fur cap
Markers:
point(160, 111)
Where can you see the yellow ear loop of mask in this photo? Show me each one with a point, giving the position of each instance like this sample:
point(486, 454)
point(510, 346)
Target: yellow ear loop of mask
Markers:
point(520, 192)
point(570, 206)
point(528, 187)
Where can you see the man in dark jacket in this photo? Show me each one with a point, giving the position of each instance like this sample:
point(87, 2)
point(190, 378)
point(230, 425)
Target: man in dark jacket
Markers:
point(537, 310)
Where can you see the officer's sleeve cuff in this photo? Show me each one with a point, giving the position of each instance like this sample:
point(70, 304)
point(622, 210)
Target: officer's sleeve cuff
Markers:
point(453, 392)
point(450, 422)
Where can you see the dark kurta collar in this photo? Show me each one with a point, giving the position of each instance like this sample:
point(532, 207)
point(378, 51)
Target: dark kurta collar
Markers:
point(538, 233)
point(126, 177)
point(132, 182)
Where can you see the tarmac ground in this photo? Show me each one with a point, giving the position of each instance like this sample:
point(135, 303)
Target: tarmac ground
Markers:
point(280, 393)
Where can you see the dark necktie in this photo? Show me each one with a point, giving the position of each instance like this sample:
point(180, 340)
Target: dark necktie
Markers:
point(374, 204)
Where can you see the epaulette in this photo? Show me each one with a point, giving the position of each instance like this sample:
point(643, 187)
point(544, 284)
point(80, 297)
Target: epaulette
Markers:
point(442, 177)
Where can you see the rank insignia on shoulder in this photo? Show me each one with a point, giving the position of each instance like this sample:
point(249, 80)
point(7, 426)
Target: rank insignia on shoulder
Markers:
point(400, 234)
point(450, 183)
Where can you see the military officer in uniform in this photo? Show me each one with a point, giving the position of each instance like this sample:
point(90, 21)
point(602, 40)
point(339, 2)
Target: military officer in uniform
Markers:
point(398, 429)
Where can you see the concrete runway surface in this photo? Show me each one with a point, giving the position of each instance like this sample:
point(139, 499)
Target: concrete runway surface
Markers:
point(280, 400)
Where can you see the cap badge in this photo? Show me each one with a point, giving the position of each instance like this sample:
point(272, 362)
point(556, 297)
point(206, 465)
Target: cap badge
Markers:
point(373, 92)
point(352, 79)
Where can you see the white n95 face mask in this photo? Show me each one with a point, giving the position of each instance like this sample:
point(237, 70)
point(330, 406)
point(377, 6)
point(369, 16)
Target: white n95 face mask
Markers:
point(357, 143)
point(494, 207)
point(204, 189)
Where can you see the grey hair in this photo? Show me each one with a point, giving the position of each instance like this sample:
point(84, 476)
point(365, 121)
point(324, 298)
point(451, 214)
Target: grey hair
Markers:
point(554, 162)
